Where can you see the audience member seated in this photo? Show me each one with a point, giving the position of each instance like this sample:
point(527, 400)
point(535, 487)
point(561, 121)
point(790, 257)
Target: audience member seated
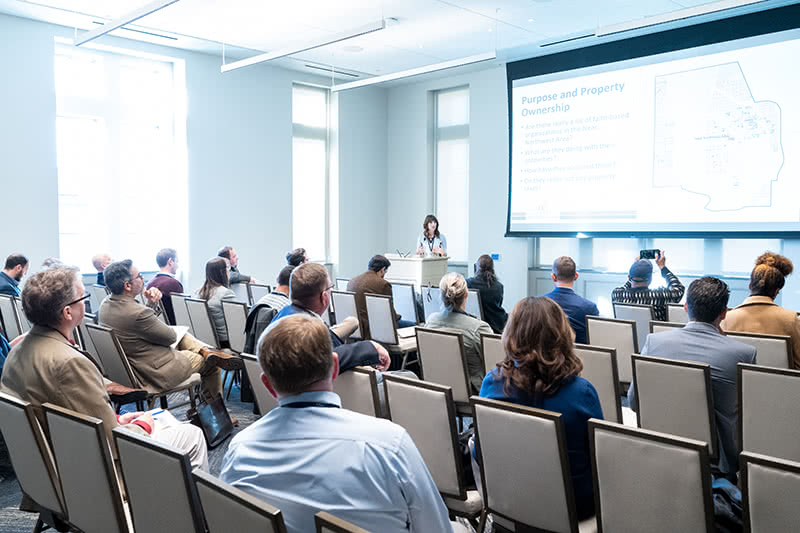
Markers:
point(279, 297)
point(15, 269)
point(100, 262)
point(311, 455)
point(454, 317)
point(235, 277)
point(4, 349)
point(576, 308)
point(759, 313)
point(297, 257)
point(51, 262)
point(372, 281)
point(637, 289)
point(214, 290)
point(491, 290)
point(165, 281)
point(47, 367)
point(147, 341)
point(702, 341)
point(541, 370)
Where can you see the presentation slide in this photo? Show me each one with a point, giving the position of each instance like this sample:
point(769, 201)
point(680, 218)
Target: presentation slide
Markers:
point(700, 140)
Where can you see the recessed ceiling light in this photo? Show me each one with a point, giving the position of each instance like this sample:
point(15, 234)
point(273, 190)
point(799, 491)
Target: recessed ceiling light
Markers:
point(353, 49)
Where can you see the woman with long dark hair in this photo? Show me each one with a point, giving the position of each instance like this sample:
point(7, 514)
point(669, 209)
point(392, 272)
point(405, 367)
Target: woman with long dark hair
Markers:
point(431, 241)
point(215, 289)
point(491, 290)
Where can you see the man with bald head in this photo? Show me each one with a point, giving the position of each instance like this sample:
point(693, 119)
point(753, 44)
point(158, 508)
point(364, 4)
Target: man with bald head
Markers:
point(100, 262)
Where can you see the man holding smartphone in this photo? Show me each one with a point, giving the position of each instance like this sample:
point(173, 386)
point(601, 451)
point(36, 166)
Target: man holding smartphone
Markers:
point(637, 289)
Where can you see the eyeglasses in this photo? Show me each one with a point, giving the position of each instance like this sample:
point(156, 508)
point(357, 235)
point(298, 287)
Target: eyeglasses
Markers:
point(82, 298)
point(140, 276)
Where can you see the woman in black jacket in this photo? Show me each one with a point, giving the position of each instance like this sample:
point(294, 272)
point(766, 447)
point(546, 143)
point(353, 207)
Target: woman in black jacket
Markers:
point(491, 290)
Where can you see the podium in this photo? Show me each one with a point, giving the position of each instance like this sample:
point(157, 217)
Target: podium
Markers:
point(419, 271)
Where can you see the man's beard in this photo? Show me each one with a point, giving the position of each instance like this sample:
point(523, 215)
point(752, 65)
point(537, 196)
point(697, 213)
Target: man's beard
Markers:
point(18, 277)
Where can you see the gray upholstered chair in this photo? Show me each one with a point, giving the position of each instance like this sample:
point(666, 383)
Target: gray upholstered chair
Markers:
point(227, 508)
point(404, 297)
point(431, 301)
point(600, 369)
point(180, 311)
point(677, 313)
point(202, 323)
point(341, 284)
point(617, 334)
point(771, 350)
point(327, 523)
point(87, 345)
point(443, 361)
point(639, 313)
point(769, 420)
point(427, 411)
point(383, 326)
point(358, 390)
point(162, 495)
point(657, 326)
point(92, 492)
point(649, 481)
point(24, 323)
point(492, 351)
point(676, 397)
point(241, 292)
point(98, 294)
point(474, 306)
point(345, 304)
point(235, 314)
point(265, 402)
point(769, 492)
point(257, 291)
point(8, 315)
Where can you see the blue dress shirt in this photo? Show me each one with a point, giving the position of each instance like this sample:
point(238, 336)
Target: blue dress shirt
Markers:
point(576, 308)
point(322, 458)
point(8, 285)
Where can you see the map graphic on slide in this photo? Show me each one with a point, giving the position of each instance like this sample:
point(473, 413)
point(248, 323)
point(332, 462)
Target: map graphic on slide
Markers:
point(712, 138)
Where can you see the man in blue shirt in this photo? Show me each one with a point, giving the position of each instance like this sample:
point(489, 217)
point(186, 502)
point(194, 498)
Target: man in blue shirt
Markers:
point(576, 308)
point(310, 455)
point(15, 269)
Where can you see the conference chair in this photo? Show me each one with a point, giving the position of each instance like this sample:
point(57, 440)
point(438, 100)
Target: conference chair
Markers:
point(769, 493)
point(383, 327)
point(235, 314)
point(404, 297)
point(474, 306)
point(241, 292)
point(677, 313)
point(98, 294)
point(600, 369)
point(86, 342)
point(427, 411)
point(181, 312)
point(769, 421)
point(657, 326)
point(771, 350)
point(24, 323)
point(442, 360)
point(341, 284)
point(617, 334)
point(358, 390)
point(327, 523)
point(524, 467)
point(649, 481)
point(8, 313)
point(32, 461)
point(257, 291)
point(161, 493)
point(345, 304)
point(639, 313)
point(431, 301)
point(265, 401)
point(676, 397)
point(86, 469)
point(492, 350)
point(226, 508)
point(202, 324)
point(161, 313)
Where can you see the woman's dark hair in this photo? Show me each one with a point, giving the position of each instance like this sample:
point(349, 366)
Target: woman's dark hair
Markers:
point(769, 274)
point(216, 275)
point(296, 257)
point(430, 218)
point(484, 269)
point(540, 348)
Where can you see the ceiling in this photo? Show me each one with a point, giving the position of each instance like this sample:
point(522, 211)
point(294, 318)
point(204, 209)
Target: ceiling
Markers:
point(418, 32)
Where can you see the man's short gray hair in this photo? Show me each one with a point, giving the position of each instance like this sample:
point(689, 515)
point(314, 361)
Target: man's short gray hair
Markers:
point(116, 274)
point(47, 293)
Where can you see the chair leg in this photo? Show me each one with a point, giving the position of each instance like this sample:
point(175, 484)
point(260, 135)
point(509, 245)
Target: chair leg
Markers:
point(482, 523)
point(193, 398)
point(39, 527)
point(163, 401)
point(139, 405)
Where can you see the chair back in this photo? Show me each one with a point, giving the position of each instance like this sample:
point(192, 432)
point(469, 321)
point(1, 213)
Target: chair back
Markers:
point(88, 478)
point(617, 334)
point(639, 313)
point(98, 294)
point(769, 422)
point(265, 401)
point(24, 323)
point(657, 326)
point(358, 390)
point(427, 411)
point(180, 310)
point(241, 292)
point(227, 508)
point(235, 314)
point(257, 292)
point(202, 325)
point(675, 397)
point(600, 369)
point(112, 356)
point(345, 304)
point(677, 313)
point(431, 301)
point(380, 314)
point(771, 350)
point(649, 481)
point(443, 361)
point(404, 297)
point(8, 315)
point(341, 284)
point(87, 345)
point(536, 491)
point(769, 493)
point(327, 523)
point(474, 306)
point(161, 492)
point(492, 350)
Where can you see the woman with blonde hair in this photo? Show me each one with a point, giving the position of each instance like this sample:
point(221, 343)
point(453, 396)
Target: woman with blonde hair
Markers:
point(759, 313)
point(541, 370)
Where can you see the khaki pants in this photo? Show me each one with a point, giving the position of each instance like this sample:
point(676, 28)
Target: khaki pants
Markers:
point(212, 378)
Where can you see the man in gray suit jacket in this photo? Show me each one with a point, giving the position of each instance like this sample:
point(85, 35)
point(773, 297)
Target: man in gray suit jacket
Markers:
point(702, 341)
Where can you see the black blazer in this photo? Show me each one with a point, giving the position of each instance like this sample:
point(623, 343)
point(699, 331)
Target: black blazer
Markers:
point(491, 302)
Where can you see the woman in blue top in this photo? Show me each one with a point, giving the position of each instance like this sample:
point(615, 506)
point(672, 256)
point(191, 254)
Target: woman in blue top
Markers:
point(431, 241)
point(541, 370)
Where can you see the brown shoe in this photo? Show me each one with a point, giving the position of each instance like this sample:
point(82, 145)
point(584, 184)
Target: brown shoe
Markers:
point(122, 394)
point(223, 360)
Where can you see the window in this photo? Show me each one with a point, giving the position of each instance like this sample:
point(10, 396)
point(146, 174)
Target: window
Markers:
point(451, 133)
point(551, 248)
point(739, 255)
point(310, 170)
point(614, 255)
point(683, 255)
point(122, 184)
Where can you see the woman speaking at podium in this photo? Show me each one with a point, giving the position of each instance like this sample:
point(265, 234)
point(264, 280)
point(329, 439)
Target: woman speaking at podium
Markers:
point(431, 241)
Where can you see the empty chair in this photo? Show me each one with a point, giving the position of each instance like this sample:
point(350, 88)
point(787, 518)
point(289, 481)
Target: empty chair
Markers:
point(345, 304)
point(227, 508)
point(649, 481)
point(8, 314)
point(443, 361)
point(91, 490)
point(265, 401)
point(87, 345)
point(675, 397)
point(474, 306)
point(404, 297)
point(383, 326)
point(24, 323)
point(358, 390)
point(641, 314)
point(161, 493)
point(769, 420)
point(202, 324)
point(617, 334)
point(241, 292)
point(771, 350)
point(257, 292)
point(327, 523)
point(658, 327)
point(180, 310)
point(769, 493)
point(600, 369)
point(492, 350)
point(677, 313)
point(235, 314)
point(431, 300)
point(341, 284)
point(98, 294)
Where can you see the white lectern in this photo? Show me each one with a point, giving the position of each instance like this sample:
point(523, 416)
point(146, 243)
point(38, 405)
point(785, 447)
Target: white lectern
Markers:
point(421, 271)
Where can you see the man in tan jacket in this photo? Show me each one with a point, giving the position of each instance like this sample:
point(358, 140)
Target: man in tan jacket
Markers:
point(46, 366)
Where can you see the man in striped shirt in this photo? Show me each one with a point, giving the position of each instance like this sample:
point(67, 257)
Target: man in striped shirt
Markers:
point(637, 289)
